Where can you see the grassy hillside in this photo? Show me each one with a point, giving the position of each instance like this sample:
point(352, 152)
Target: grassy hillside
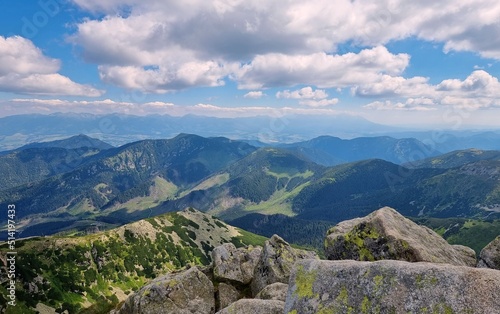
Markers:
point(93, 273)
point(470, 232)
point(265, 181)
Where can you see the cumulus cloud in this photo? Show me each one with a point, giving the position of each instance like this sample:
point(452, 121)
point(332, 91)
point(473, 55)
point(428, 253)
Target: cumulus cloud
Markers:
point(303, 93)
point(321, 69)
point(479, 90)
point(309, 97)
point(25, 69)
point(254, 95)
point(158, 46)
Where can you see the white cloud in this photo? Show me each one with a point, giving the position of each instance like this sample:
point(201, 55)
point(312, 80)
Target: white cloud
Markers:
point(308, 97)
point(386, 85)
point(409, 105)
point(294, 26)
point(319, 103)
point(303, 93)
point(254, 95)
point(25, 69)
point(479, 90)
point(19, 106)
point(321, 69)
point(158, 46)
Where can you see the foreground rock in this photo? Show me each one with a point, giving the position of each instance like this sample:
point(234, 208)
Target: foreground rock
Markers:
point(276, 262)
point(235, 265)
point(391, 287)
point(386, 234)
point(254, 306)
point(490, 255)
point(186, 292)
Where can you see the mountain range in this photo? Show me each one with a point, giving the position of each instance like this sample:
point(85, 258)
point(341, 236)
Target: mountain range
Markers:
point(230, 179)
point(120, 129)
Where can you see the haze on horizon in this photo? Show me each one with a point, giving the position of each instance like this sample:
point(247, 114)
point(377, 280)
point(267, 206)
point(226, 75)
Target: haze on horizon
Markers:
point(394, 62)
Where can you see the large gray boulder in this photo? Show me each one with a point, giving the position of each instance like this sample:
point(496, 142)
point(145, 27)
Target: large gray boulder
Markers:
point(235, 265)
point(276, 262)
point(391, 287)
point(185, 292)
point(386, 234)
point(254, 306)
point(490, 255)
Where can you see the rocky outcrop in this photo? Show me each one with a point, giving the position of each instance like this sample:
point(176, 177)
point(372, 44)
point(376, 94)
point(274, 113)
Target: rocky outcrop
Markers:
point(235, 265)
point(254, 306)
point(386, 234)
point(275, 291)
point(185, 292)
point(276, 262)
point(391, 287)
point(490, 255)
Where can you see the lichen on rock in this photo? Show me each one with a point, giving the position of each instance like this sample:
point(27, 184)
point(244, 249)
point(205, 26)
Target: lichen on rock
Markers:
point(276, 263)
point(391, 287)
point(386, 234)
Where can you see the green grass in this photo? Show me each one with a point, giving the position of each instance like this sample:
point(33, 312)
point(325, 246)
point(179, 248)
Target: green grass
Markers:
point(248, 238)
point(161, 190)
point(216, 180)
point(279, 203)
point(476, 234)
point(473, 233)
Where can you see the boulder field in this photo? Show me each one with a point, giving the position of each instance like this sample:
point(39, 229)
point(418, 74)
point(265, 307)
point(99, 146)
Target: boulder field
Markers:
point(381, 263)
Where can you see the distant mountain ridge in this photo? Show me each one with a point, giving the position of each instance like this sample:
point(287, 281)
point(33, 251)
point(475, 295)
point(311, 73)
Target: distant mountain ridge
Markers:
point(40, 160)
point(119, 129)
point(330, 151)
point(74, 142)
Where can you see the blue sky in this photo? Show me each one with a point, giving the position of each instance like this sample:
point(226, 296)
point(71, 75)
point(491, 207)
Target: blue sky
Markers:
point(394, 62)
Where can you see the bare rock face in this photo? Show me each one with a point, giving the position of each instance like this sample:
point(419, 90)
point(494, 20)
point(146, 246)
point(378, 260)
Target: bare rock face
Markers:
point(227, 294)
point(386, 234)
point(275, 291)
point(254, 306)
point(235, 265)
point(185, 292)
point(490, 255)
point(391, 287)
point(276, 262)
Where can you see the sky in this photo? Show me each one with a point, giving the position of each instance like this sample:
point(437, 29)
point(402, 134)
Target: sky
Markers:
point(395, 62)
